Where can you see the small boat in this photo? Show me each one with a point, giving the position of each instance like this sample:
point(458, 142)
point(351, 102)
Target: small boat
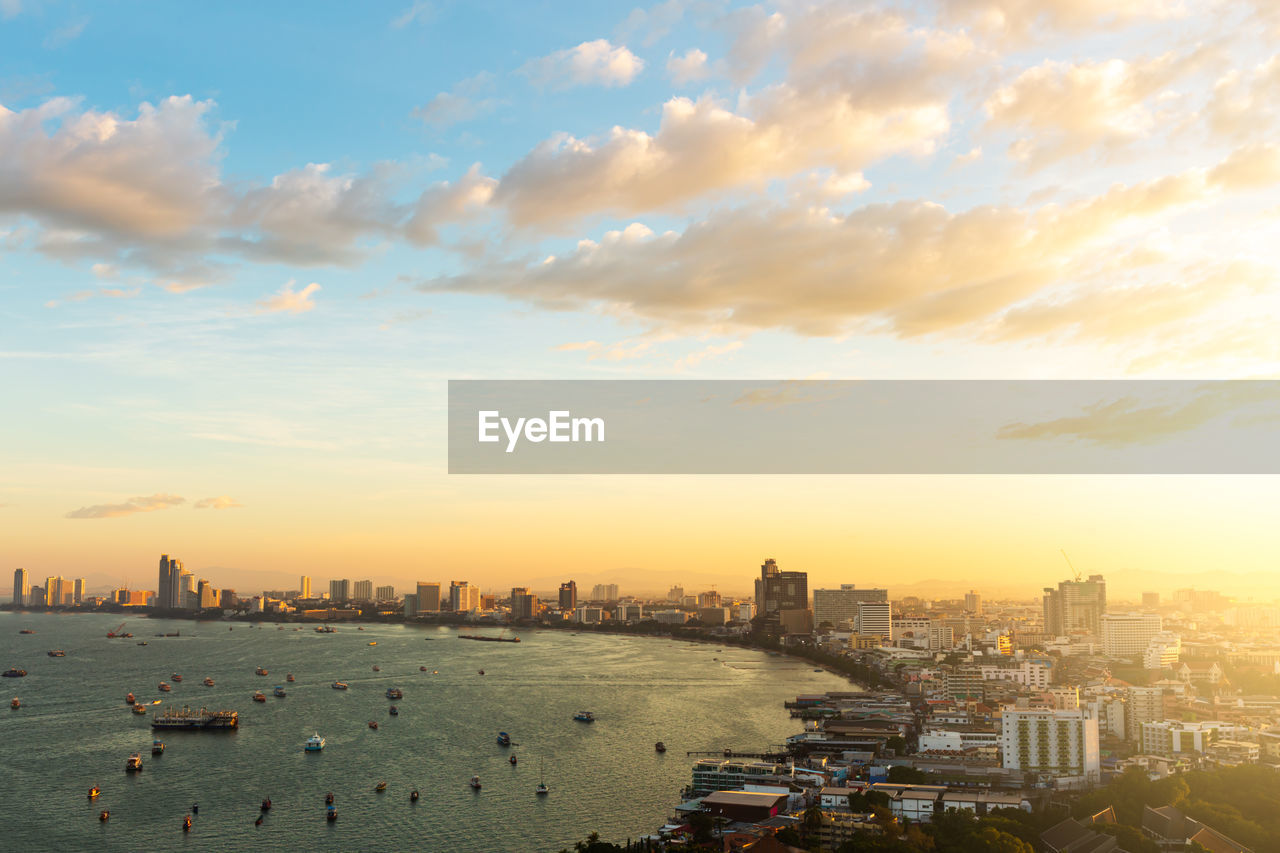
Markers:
point(395, 693)
point(660, 747)
point(482, 672)
point(26, 631)
point(289, 677)
point(157, 747)
point(816, 669)
point(164, 687)
point(279, 691)
point(315, 743)
point(541, 789)
point(373, 724)
point(371, 642)
point(327, 629)
point(104, 816)
point(377, 668)
point(380, 787)
point(129, 699)
point(340, 685)
point(259, 671)
point(195, 808)
point(413, 795)
point(422, 669)
point(394, 711)
point(175, 677)
point(143, 643)
point(328, 798)
point(504, 739)
point(585, 717)
point(475, 783)
point(15, 704)
point(134, 764)
point(186, 823)
point(57, 653)
point(266, 804)
point(94, 792)
point(208, 682)
point(14, 672)
point(139, 709)
point(512, 759)
point(258, 696)
point(331, 813)
point(359, 627)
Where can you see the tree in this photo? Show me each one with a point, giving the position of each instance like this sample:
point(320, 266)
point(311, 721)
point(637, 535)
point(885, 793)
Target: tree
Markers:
point(904, 775)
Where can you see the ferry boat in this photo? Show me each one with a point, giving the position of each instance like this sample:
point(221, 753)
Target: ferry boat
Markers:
point(175, 677)
point(475, 782)
point(258, 696)
point(660, 747)
point(94, 792)
point(315, 743)
point(129, 699)
point(340, 685)
point(164, 687)
point(57, 653)
point(139, 710)
point(585, 717)
point(259, 671)
point(279, 691)
point(208, 682)
point(134, 764)
point(289, 677)
point(157, 747)
point(201, 718)
point(14, 672)
point(395, 693)
point(504, 739)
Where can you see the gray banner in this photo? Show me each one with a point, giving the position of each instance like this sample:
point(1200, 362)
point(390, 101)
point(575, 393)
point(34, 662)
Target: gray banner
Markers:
point(864, 427)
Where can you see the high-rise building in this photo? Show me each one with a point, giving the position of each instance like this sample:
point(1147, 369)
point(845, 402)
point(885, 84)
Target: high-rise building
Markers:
point(709, 599)
point(362, 590)
point(973, 602)
point(57, 592)
point(778, 590)
point(463, 597)
point(428, 597)
point(835, 606)
point(206, 595)
point(1075, 607)
point(385, 593)
point(524, 605)
point(1145, 705)
point(874, 619)
point(568, 595)
point(1128, 634)
point(304, 587)
point(21, 587)
point(340, 590)
point(1163, 651)
point(1062, 744)
point(604, 592)
point(676, 594)
point(77, 590)
point(169, 592)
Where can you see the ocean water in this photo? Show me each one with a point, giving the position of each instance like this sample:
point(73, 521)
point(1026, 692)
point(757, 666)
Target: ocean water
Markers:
point(74, 730)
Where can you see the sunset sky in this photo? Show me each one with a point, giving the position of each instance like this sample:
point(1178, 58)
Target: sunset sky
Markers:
point(243, 247)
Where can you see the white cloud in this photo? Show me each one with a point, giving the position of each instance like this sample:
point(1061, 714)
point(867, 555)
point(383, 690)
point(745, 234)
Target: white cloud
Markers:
point(151, 503)
point(688, 68)
point(66, 33)
point(221, 502)
point(289, 301)
point(596, 62)
point(419, 12)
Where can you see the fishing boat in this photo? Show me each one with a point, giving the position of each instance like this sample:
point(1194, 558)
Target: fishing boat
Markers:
point(422, 669)
point(14, 672)
point(373, 724)
point(208, 682)
point(176, 677)
point(377, 668)
point(139, 710)
point(331, 813)
point(340, 685)
point(266, 804)
point(504, 739)
point(157, 747)
point(328, 798)
point(57, 653)
point(475, 783)
point(186, 823)
point(94, 792)
point(289, 677)
point(104, 816)
point(129, 699)
point(134, 764)
point(315, 743)
point(381, 786)
point(260, 671)
point(413, 795)
point(659, 747)
point(395, 693)
point(15, 704)
point(26, 631)
point(258, 696)
point(164, 687)
point(542, 788)
point(394, 711)
point(279, 691)
point(512, 759)
point(585, 717)
point(372, 642)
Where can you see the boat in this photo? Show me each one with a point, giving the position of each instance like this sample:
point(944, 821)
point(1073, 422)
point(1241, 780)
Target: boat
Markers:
point(315, 743)
point(482, 672)
point(14, 672)
point(381, 786)
point(359, 627)
point(279, 691)
point(266, 804)
point(504, 739)
point(331, 813)
point(260, 671)
point(129, 699)
point(175, 677)
point(541, 789)
point(394, 711)
point(475, 782)
point(371, 642)
point(258, 696)
point(157, 747)
point(327, 629)
point(377, 668)
point(195, 808)
point(289, 677)
point(413, 795)
point(422, 669)
point(134, 764)
point(817, 669)
point(340, 685)
point(585, 717)
point(57, 653)
point(15, 704)
point(94, 792)
point(373, 724)
point(26, 631)
point(139, 710)
point(512, 759)
point(395, 693)
point(328, 798)
point(186, 823)
point(164, 687)
point(143, 643)
point(201, 718)
point(104, 816)
point(660, 747)
point(208, 682)
point(485, 639)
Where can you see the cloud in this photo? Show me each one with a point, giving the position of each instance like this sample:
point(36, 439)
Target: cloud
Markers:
point(460, 105)
point(288, 301)
point(67, 33)
point(106, 292)
point(420, 12)
point(1246, 103)
point(710, 351)
point(591, 63)
point(687, 68)
point(1019, 19)
point(910, 267)
point(973, 155)
point(221, 502)
point(652, 24)
point(10, 8)
point(151, 503)
point(448, 202)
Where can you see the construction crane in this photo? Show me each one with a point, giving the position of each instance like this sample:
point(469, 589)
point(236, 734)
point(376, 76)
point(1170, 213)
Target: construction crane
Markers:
point(116, 632)
point(1075, 573)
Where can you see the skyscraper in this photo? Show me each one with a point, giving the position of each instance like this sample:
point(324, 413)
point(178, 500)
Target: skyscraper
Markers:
point(168, 591)
point(604, 592)
point(778, 590)
point(1075, 607)
point(362, 591)
point(973, 602)
point(340, 590)
point(834, 606)
point(568, 595)
point(463, 597)
point(523, 604)
point(77, 590)
point(21, 587)
point(428, 597)
point(304, 587)
point(385, 593)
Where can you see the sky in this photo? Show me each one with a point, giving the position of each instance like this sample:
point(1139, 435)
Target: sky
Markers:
point(244, 246)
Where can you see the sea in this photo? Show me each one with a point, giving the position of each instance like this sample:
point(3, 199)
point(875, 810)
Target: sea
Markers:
point(74, 730)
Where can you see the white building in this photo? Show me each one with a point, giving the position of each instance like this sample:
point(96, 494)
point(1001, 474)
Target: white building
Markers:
point(1059, 744)
point(841, 605)
point(874, 619)
point(1128, 634)
point(1163, 651)
point(1031, 674)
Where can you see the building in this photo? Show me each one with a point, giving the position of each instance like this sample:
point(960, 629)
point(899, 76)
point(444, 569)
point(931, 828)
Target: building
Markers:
point(676, 594)
point(524, 605)
point(169, 591)
point(973, 602)
point(709, 599)
point(1144, 705)
point(715, 774)
point(836, 606)
point(428, 600)
point(1151, 600)
point(385, 593)
point(1075, 607)
point(410, 605)
point(206, 595)
point(1060, 744)
point(604, 592)
point(77, 590)
point(1126, 635)
point(748, 806)
point(1163, 651)
point(463, 597)
point(340, 590)
point(778, 590)
point(874, 619)
point(304, 587)
point(21, 587)
point(1175, 737)
point(362, 591)
point(568, 595)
